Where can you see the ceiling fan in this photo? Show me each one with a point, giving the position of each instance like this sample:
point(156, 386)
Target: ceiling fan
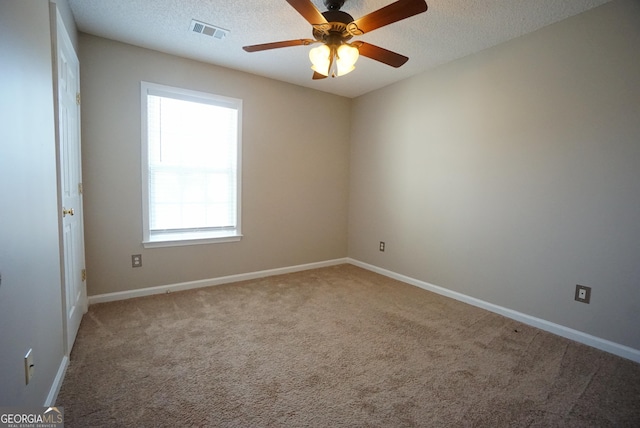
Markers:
point(333, 29)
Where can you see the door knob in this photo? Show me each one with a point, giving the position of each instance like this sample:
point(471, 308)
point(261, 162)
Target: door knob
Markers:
point(67, 211)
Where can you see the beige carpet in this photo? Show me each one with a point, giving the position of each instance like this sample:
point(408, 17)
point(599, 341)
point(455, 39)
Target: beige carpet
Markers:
point(333, 347)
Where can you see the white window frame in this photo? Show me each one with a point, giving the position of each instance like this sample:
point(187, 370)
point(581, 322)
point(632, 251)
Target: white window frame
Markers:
point(194, 236)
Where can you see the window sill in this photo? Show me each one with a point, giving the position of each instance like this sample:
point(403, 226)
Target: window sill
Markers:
point(194, 238)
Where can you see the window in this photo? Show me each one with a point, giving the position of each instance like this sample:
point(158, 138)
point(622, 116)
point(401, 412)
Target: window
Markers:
point(190, 166)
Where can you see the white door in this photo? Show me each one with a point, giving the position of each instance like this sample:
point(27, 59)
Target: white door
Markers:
point(70, 173)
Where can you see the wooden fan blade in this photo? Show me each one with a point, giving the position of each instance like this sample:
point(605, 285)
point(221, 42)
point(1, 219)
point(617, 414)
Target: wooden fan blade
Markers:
point(380, 54)
point(308, 11)
point(276, 45)
point(394, 12)
point(318, 76)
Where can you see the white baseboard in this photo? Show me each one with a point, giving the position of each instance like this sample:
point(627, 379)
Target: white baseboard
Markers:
point(560, 330)
point(57, 383)
point(161, 289)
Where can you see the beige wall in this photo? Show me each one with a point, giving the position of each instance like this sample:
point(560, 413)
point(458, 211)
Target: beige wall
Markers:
point(30, 287)
point(513, 174)
point(295, 171)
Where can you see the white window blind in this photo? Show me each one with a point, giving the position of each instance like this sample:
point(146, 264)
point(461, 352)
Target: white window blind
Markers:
point(191, 150)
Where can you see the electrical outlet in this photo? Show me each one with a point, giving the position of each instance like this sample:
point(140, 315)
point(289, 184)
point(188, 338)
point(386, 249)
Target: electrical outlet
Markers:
point(583, 293)
point(29, 367)
point(136, 260)
point(381, 246)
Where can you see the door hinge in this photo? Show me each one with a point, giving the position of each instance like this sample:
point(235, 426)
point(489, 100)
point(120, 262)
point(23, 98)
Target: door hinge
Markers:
point(80, 188)
point(78, 98)
point(84, 275)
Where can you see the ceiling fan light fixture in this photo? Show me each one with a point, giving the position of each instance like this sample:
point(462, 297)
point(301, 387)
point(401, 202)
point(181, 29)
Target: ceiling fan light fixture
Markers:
point(324, 58)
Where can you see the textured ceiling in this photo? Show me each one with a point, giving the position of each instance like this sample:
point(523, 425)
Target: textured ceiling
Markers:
point(450, 29)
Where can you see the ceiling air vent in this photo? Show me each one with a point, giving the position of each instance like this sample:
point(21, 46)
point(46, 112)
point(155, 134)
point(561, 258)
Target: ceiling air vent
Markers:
point(208, 29)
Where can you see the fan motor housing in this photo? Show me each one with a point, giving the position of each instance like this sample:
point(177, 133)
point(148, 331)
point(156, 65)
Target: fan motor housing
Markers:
point(337, 27)
point(337, 16)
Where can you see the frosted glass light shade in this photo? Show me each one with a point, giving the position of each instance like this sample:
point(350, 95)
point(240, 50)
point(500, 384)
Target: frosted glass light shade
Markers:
point(320, 59)
point(347, 57)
